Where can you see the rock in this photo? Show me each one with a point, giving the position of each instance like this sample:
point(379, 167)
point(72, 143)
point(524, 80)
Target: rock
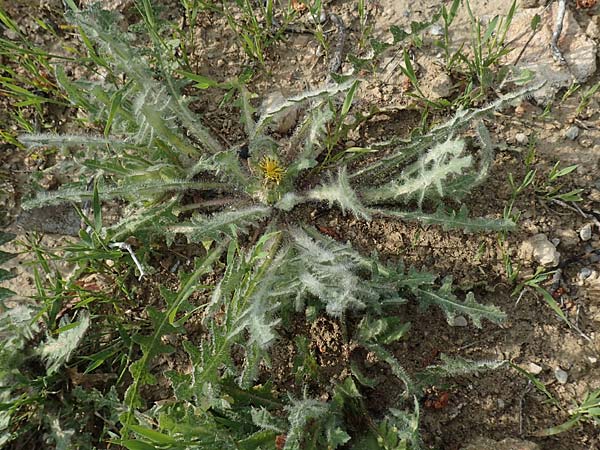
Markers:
point(484, 443)
point(578, 49)
point(594, 195)
point(521, 138)
point(436, 30)
point(568, 238)
point(441, 86)
point(285, 120)
point(593, 28)
point(541, 250)
point(584, 273)
point(459, 321)
point(533, 368)
point(572, 133)
point(560, 375)
point(586, 232)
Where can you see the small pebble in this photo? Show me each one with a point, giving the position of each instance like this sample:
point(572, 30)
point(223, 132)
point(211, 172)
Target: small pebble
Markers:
point(500, 403)
point(436, 30)
point(560, 375)
point(459, 321)
point(586, 232)
point(595, 258)
point(585, 273)
point(555, 241)
point(572, 133)
point(592, 359)
point(534, 369)
point(521, 138)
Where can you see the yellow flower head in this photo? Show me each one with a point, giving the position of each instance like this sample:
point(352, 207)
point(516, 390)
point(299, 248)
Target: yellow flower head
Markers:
point(271, 170)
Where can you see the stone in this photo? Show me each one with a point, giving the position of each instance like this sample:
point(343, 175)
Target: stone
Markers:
point(593, 28)
point(585, 233)
point(533, 368)
point(577, 48)
point(594, 195)
point(568, 238)
point(436, 30)
point(561, 376)
point(572, 133)
point(441, 85)
point(459, 321)
point(484, 443)
point(584, 273)
point(285, 120)
point(521, 138)
point(539, 249)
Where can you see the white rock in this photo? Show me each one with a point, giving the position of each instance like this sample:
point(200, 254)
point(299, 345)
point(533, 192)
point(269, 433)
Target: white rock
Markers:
point(593, 28)
point(578, 50)
point(521, 138)
point(534, 369)
point(284, 121)
point(586, 232)
point(441, 85)
point(541, 250)
point(560, 375)
point(436, 30)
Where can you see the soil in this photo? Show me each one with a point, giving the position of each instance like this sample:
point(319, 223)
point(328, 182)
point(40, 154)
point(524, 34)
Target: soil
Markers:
point(498, 404)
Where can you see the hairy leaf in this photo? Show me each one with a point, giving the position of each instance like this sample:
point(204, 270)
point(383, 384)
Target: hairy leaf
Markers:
point(451, 219)
point(57, 351)
point(228, 223)
point(340, 192)
point(452, 306)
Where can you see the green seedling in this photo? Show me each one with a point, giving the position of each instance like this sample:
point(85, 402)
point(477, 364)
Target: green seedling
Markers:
point(587, 411)
point(448, 16)
point(488, 47)
point(574, 87)
point(586, 98)
point(258, 29)
point(551, 189)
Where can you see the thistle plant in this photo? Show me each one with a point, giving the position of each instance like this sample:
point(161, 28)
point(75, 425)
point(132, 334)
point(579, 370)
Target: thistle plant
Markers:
point(155, 151)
